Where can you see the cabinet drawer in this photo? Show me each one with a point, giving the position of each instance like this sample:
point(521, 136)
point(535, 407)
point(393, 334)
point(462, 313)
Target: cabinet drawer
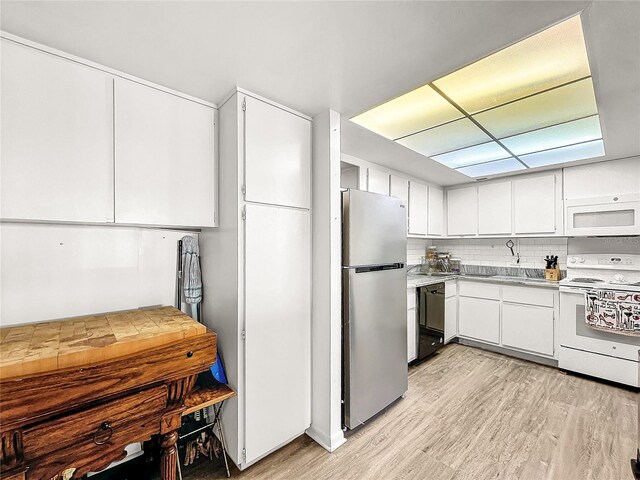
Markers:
point(479, 290)
point(528, 296)
point(138, 411)
point(411, 298)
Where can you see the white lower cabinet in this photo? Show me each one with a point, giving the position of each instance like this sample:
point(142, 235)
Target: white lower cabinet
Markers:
point(479, 319)
point(412, 352)
point(528, 327)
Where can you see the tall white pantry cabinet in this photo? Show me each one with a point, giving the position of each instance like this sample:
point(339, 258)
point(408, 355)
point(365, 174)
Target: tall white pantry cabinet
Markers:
point(257, 269)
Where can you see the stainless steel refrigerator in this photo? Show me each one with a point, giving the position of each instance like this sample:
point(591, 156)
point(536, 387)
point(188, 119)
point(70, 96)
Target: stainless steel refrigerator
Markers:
point(374, 304)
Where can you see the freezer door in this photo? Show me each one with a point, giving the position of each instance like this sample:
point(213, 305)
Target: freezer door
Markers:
point(374, 229)
point(374, 341)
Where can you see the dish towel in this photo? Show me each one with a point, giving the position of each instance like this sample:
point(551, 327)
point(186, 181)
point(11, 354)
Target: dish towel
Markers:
point(191, 275)
point(613, 311)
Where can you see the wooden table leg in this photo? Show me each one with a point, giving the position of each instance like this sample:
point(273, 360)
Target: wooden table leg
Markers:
point(169, 456)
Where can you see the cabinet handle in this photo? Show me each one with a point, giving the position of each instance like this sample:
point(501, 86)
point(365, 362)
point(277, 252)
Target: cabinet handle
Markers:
point(105, 427)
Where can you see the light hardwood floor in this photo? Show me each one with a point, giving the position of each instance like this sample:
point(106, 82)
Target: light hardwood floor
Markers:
point(472, 414)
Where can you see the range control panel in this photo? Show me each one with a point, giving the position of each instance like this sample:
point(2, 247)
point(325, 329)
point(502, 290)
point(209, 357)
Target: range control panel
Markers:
point(622, 262)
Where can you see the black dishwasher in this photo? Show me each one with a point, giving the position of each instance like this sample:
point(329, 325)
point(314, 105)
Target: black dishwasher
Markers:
point(430, 320)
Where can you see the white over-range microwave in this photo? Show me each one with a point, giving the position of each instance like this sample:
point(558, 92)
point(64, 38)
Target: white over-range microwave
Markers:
point(609, 215)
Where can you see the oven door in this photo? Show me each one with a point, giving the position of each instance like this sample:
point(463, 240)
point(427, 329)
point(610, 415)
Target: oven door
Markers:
point(574, 333)
point(603, 216)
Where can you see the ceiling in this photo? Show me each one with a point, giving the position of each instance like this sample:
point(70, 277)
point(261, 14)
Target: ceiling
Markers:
point(348, 56)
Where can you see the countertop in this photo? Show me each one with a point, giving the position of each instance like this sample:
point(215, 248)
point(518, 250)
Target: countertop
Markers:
point(414, 281)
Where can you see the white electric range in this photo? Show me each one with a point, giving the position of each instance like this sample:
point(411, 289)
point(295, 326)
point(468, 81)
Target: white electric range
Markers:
point(604, 354)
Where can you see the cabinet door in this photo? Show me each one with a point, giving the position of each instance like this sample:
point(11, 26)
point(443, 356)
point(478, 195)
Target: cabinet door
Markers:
point(57, 138)
point(435, 224)
point(535, 204)
point(462, 211)
point(277, 323)
point(277, 157)
point(411, 326)
point(165, 158)
point(479, 319)
point(494, 208)
point(378, 182)
point(399, 188)
point(450, 318)
point(528, 328)
point(417, 209)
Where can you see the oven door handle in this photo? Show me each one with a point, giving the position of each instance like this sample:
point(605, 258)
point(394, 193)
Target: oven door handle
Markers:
point(574, 290)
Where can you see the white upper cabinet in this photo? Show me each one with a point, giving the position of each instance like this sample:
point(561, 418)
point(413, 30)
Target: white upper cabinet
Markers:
point(462, 211)
point(435, 220)
point(417, 209)
point(494, 208)
point(57, 147)
point(378, 182)
point(399, 188)
point(277, 155)
point(535, 205)
point(165, 158)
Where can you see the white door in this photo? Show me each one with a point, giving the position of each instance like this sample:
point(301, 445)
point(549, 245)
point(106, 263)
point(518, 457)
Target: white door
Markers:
point(378, 182)
point(417, 209)
point(528, 327)
point(494, 208)
point(57, 138)
point(462, 211)
point(535, 204)
point(277, 161)
point(435, 224)
point(277, 323)
point(165, 154)
point(399, 188)
point(479, 319)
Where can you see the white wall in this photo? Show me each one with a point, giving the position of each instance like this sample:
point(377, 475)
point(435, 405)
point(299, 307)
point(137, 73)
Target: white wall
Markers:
point(55, 271)
point(484, 251)
point(326, 316)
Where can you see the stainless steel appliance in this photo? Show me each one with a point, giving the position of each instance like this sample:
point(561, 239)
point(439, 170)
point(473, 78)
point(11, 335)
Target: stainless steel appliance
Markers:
point(374, 306)
point(599, 263)
point(430, 318)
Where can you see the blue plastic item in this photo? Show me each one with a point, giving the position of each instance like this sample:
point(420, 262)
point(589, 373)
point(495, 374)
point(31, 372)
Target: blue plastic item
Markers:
point(217, 370)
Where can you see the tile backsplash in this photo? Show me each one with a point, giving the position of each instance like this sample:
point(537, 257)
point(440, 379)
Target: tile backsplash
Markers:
point(493, 251)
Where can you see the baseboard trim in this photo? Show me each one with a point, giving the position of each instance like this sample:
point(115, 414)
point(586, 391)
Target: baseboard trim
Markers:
point(329, 443)
point(507, 351)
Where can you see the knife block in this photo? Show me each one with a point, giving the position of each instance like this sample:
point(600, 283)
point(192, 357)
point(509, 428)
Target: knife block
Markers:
point(552, 274)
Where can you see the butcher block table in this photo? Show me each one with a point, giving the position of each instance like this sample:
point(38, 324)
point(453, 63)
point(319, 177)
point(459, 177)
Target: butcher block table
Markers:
point(74, 392)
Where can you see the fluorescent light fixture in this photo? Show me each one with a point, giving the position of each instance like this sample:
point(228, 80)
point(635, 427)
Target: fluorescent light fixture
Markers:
point(575, 100)
point(548, 59)
point(450, 136)
point(492, 168)
point(571, 153)
point(468, 156)
point(415, 111)
point(568, 133)
point(528, 105)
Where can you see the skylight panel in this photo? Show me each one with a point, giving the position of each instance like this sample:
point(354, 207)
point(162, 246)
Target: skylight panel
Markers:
point(492, 168)
point(571, 153)
point(469, 156)
point(577, 131)
point(570, 102)
point(410, 113)
point(548, 59)
point(445, 138)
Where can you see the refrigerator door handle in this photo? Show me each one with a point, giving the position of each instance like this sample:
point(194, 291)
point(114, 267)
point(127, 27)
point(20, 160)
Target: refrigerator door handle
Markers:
point(377, 268)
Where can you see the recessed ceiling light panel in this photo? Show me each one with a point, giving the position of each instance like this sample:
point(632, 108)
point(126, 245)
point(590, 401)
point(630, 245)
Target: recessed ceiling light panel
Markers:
point(571, 153)
point(550, 58)
point(492, 168)
point(468, 156)
point(444, 138)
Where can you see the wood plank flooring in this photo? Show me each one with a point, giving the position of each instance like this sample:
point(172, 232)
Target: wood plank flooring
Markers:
point(472, 414)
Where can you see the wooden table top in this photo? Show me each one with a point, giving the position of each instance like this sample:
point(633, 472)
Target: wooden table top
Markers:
point(47, 346)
